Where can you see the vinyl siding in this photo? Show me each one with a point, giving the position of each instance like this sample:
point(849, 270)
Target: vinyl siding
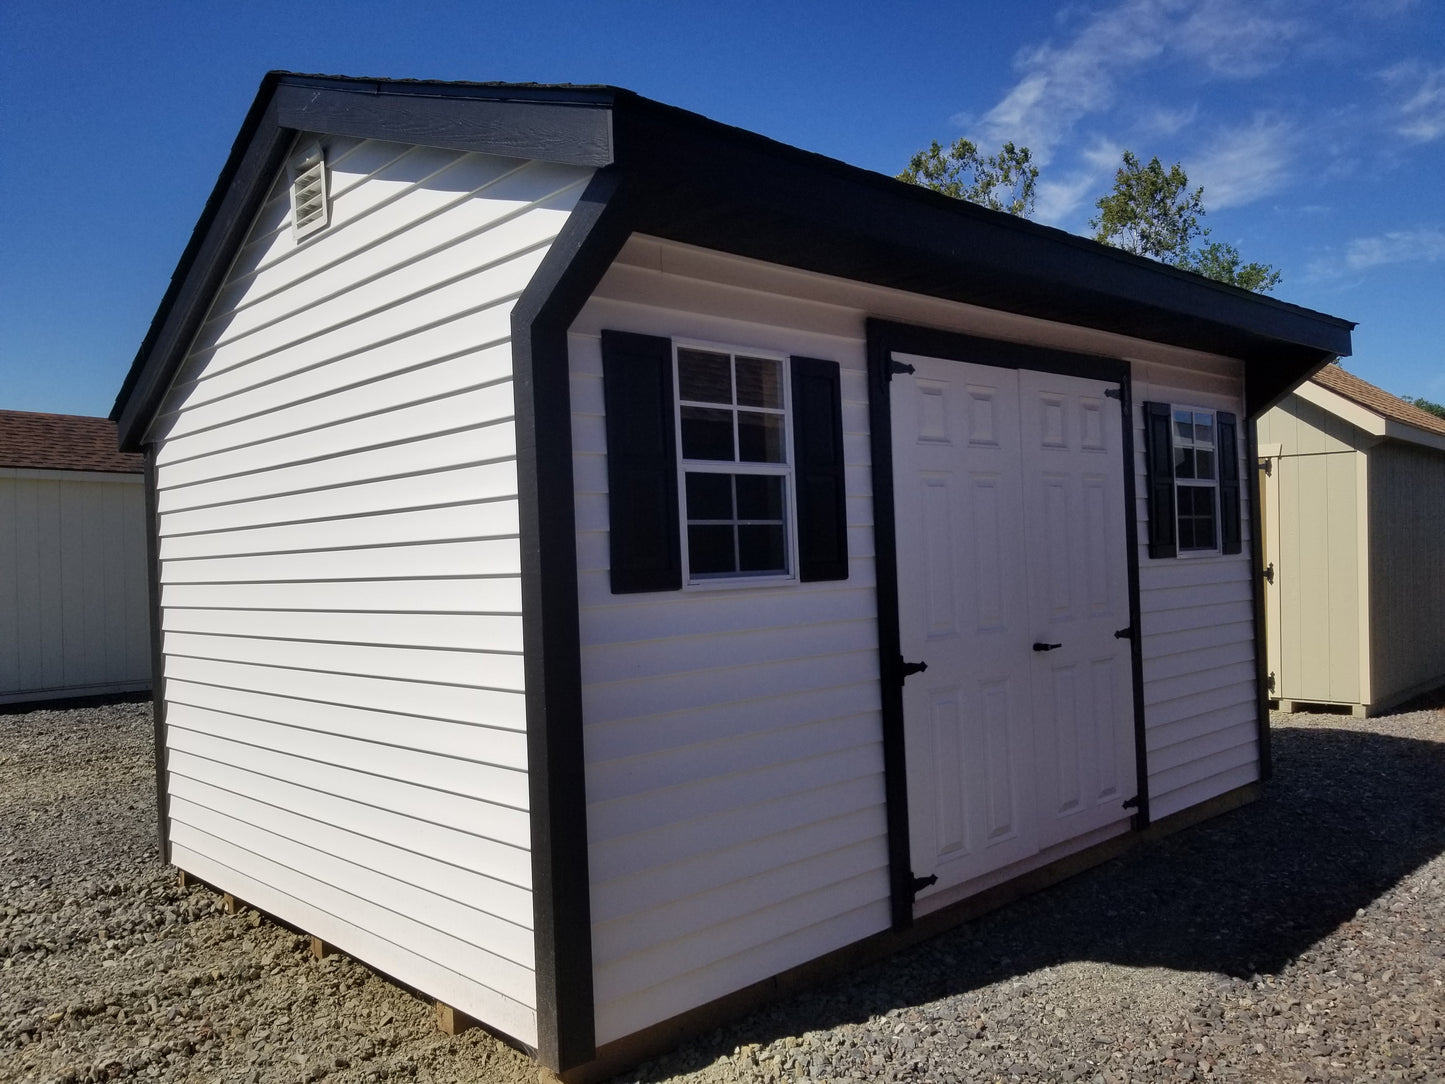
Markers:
point(1197, 621)
point(74, 610)
point(340, 573)
point(733, 736)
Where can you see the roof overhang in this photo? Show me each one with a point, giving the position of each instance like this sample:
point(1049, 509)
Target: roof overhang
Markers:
point(686, 178)
point(1366, 420)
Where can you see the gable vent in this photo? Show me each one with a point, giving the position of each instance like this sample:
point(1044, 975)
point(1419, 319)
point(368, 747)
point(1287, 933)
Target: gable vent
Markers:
point(309, 209)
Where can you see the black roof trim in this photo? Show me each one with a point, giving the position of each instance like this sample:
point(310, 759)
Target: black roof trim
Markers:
point(716, 186)
point(568, 130)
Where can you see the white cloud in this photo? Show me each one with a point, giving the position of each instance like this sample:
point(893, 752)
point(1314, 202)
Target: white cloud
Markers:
point(1397, 246)
point(1235, 41)
point(1059, 84)
point(1425, 245)
point(1061, 197)
point(1421, 109)
point(1242, 164)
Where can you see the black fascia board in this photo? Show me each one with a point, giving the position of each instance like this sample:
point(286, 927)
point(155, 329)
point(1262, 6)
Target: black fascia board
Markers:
point(731, 190)
point(568, 127)
point(256, 155)
point(720, 187)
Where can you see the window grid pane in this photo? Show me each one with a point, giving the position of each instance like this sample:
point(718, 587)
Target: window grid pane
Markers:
point(731, 410)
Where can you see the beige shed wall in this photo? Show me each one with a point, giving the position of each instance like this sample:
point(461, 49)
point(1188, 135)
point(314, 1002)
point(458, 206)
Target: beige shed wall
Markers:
point(1407, 570)
point(74, 615)
point(1317, 547)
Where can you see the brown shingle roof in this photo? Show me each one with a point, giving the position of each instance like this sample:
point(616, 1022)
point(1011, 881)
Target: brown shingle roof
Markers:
point(1337, 380)
point(62, 442)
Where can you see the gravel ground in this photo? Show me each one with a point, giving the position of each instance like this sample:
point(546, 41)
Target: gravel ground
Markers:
point(1297, 939)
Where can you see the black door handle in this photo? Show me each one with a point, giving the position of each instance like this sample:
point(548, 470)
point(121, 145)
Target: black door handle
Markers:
point(1046, 647)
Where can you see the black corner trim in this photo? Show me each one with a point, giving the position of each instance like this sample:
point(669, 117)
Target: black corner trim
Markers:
point(880, 335)
point(1141, 818)
point(1159, 476)
point(1227, 440)
point(158, 663)
point(822, 494)
point(642, 534)
point(557, 772)
point(1256, 587)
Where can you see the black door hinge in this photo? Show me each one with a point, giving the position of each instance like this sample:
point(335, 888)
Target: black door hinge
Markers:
point(1269, 572)
point(906, 669)
point(1126, 633)
point(1114, 393)
point(1132, 803)
point(918, 884)
point(897, 368)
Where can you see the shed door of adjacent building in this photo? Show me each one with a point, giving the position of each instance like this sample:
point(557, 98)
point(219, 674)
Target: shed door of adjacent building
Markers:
point(1013, 580)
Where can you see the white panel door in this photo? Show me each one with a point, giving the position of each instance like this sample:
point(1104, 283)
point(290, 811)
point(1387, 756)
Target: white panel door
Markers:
point(1011, 533)
point(1076, 560)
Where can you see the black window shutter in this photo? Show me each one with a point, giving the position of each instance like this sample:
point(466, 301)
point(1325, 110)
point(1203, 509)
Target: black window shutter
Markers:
point(1227, 438)
point(1159, 479)
point(643, 530)
point(818, 441)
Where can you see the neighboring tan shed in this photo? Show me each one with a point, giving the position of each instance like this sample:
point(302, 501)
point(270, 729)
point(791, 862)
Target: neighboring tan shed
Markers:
point(74, 617)
point(558, 496)
point(1354, 502)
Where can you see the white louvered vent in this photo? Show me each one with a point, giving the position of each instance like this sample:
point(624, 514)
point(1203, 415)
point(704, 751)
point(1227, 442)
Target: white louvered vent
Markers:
point(310, 210)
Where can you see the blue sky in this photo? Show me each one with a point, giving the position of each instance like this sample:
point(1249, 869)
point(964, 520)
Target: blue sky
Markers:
point(1317, 128)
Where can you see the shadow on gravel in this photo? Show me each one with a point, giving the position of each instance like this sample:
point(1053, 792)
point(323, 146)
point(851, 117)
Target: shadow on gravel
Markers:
point(1346, 816)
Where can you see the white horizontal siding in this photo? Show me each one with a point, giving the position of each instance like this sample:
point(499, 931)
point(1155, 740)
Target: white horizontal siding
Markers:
point(1197, 620)
point(74, 606)
point(735, 789)
point(733, 736)
point(340, 573)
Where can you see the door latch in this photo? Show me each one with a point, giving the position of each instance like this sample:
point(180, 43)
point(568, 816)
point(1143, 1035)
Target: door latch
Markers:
point(1269, 572)
point(1046, 647)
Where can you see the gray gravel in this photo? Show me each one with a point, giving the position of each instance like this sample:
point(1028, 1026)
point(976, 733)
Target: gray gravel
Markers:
point(1297, 939)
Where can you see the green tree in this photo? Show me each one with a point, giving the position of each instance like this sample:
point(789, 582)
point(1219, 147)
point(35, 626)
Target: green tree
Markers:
point(1153, 212)
point(1425, 404)
point(1001, 182)
point(1222, 262)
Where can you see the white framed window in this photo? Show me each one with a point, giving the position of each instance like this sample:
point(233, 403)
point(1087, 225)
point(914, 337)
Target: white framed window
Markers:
point(1196, 479)
point(735, 464)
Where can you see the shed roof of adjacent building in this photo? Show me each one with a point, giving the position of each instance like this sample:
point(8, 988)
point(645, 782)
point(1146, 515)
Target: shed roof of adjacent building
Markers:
point(63, 442)
point(1341, 382)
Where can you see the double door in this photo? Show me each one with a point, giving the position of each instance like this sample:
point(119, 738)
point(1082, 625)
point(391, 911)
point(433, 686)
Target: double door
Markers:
point(1013, 589)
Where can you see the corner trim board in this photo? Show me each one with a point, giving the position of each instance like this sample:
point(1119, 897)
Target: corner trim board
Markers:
point(158, 666)
point(592, 236)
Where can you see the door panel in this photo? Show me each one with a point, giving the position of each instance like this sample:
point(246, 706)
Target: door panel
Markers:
point(1011, 531)
point(1075, 547)
point(959, 514)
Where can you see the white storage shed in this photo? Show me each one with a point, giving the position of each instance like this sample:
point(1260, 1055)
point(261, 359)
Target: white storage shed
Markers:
point(610, 562)
point(74, 616)
point(1353, 486)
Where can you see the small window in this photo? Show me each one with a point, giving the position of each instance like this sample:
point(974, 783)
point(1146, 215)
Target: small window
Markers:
point(1191, 466)
point(733, 450)
point(1196, 478)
